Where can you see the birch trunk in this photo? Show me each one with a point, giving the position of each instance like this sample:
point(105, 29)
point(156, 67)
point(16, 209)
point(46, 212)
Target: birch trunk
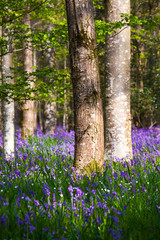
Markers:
point(8, 108)
point(28, 107)
point(117, 123)
point(88, 116)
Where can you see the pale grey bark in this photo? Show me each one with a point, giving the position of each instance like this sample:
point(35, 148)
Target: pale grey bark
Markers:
point(117, 123)
point(88, 116)
point(50, 107)
point(36, 102)
point(50, 117)
point(65, 105)
point(65, 113)
point(8, 107)
point(40, 115)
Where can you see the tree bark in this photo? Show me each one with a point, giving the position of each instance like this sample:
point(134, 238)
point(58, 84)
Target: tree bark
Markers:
point(50, 107)
point(65, 105)
point(28, 106)
point(8, 107)
point(50, 118)
point(35, 102)
point(88, 115)
point(117, 119)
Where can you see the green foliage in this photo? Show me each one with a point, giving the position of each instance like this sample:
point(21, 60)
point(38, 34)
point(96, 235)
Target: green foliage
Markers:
point(42, 90)
point(42, 13)
point(103, 27)
point(145, 77)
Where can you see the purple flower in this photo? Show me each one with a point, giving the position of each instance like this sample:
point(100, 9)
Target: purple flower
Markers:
point(70, 188)
point(114, 193)
point(79, 192)
point(32, 192)
point(3, 220)
point(36, 202)
point(27, 218)
point(125, 207)
point(158, 207)
point(46, 189)
point(118, 212)
point(31, 228)
point(28, 199)
point(143, 188)
point(20, 222)
point(93, 191)
point(46, 229)
point(18, 202)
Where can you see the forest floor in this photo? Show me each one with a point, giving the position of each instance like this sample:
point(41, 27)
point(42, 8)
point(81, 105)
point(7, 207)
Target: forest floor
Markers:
point(41, 197)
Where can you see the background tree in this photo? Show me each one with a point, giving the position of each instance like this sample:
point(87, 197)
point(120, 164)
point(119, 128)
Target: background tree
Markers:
point(41, 39)
point(8, 105)
point(89, 141)
point(50, 106)
point(28, 106)
point(145, 77)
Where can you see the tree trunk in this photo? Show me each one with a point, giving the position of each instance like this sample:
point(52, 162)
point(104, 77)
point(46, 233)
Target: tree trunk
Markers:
point(65, 105)
point(40, 115)
point(50, 118)
point(88, 115)
point(117, 123)
point(8, 108)
point(28, 107)
point(35, 102)
point(50, 107)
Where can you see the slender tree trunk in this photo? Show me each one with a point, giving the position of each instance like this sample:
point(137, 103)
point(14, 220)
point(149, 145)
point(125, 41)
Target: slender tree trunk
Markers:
point(65, 106)
point(36, 102)
point(50, 118)
point(88, 116)
point(28, 107)
point(65, 110)
point(50, 107)
point(8, 107)
point(117, 123)
point(40, 115)
point(71, 113)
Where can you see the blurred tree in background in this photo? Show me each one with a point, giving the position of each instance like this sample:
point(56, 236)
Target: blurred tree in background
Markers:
point(145, 64)
point(46, 31)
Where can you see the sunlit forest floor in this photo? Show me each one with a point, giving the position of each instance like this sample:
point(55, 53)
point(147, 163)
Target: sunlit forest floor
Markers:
point(41, 197)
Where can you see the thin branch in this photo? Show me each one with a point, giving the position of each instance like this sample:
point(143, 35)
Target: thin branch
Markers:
point(120, 31)
point(13, 51)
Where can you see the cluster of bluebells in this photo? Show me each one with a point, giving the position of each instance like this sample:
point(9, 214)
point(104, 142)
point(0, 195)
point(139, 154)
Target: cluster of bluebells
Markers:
point(42, 197)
